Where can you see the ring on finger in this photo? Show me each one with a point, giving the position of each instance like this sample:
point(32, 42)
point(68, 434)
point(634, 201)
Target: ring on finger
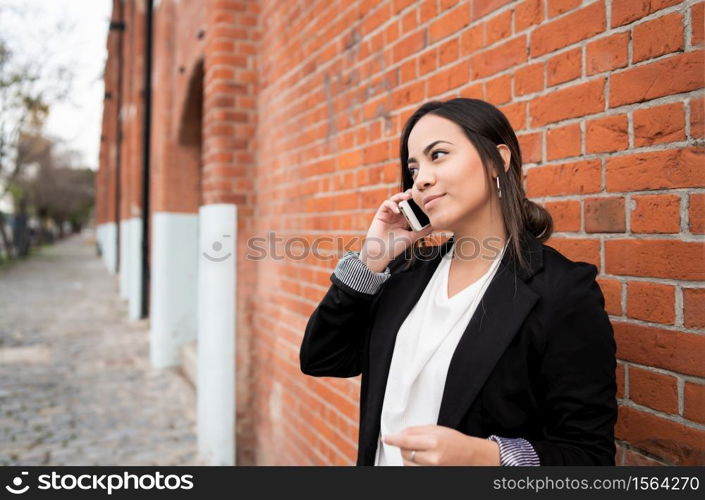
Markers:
point(413, 455)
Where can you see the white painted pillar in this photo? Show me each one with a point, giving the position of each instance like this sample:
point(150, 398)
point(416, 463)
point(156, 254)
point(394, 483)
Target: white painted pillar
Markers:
point(216, 333)
point(124, 258)
point(108, 245)
point(173, 286)
point(134, 281)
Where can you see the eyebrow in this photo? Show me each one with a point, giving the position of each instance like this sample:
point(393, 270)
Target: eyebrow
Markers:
point(427, 149)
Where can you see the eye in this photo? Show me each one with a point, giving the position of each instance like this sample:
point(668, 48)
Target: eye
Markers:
point(412, 169)
point(437, 151)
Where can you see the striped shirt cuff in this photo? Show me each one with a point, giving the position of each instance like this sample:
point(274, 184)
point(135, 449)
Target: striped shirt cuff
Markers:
point(355, 274)
point(515, 451)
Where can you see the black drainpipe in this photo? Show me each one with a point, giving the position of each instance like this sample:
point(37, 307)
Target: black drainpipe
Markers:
point(119, 26)
point(146, 133)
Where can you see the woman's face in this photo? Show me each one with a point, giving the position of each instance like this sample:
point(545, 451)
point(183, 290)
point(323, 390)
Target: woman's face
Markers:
point(443, 161)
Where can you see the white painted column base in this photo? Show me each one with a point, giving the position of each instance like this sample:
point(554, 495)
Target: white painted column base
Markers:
point(216, 333)
point(134, 281)
point(173, 286)
point(131, 265)
point(108, 245)
point(124, 258)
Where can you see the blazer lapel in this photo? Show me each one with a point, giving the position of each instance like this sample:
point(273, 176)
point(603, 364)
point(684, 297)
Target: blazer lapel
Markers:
point(497, 319)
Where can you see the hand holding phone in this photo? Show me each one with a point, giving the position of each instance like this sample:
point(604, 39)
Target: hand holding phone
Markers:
point(393, 229)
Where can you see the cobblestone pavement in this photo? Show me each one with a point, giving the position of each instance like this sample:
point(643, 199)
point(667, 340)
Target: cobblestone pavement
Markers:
point(76, 385)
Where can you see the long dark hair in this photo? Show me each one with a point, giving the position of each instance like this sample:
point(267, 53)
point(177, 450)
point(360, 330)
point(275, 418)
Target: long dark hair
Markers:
point(486, 127)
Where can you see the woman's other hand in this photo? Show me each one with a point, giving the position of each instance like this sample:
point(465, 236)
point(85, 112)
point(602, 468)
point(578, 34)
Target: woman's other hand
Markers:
point(438, 445)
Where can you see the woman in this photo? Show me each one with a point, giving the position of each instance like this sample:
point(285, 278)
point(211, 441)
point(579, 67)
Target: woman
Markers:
point(489, 349)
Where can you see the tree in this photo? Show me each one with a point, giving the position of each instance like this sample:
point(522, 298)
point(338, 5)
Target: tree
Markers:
point(30, 81)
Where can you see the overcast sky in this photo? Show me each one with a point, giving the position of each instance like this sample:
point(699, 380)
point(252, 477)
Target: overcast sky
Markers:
point(83, 47)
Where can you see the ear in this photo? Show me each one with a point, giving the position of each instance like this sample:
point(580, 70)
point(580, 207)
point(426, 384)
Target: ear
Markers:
point(506, 155)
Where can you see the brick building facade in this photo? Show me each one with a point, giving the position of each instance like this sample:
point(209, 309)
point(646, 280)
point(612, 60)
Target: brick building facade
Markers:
point(284, 117)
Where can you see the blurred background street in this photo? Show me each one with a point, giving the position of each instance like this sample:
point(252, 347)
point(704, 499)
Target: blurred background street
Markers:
point(77, 388)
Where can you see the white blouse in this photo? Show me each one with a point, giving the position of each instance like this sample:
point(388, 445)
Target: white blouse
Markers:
point(424, 346)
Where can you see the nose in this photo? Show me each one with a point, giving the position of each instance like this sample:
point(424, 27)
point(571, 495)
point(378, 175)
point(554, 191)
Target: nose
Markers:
point(424, 178)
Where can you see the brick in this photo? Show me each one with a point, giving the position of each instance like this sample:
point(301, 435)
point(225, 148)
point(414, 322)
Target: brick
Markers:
point(672, 441)
point(658, 213)
point(604, 215)
point(645, 82)
point(619, 374)
point(577, 249)
point(673, 168)
point(660, 258)
point(408, 45)
point(448, 52)
point(428, 61)
point(530, 146)
point(557, 7)
point(529, 79)
point(528, 13)
point(481, 8)
point(694, 402)
point(408, 94)
point(471, 40)
point(472, 91)
point(657, 37)
point(655, 390)
point(498, 27)
point(694, 308)
point(570, 102)
point(697, 117)
point(449, 23)
point(427, 11)
point(632, 457)
point(626, 11)
point(612, 291)
point(564, 67)
point(400, 5)
point(608, 134)
point(668, 349)
point(607, 54)
point(651, 302)
point(580, 25)
point(697, 21)
point(408, 21)
point(659, 124)
point(448, 79)
point(567, 178)
point(506, 55)
point(499, 90)
point(516, 114)
point(565, 214)
point(696, 213)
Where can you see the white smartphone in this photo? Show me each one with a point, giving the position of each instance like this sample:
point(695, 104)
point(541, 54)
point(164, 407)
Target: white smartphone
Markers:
point(416, 217)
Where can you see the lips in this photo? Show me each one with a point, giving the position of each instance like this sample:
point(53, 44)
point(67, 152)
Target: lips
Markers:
point(426, 201)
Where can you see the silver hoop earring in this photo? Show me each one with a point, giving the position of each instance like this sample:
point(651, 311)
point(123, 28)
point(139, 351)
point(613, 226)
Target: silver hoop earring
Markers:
point(499, 190)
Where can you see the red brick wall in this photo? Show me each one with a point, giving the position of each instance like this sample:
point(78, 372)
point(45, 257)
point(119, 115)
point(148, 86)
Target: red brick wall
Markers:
point(607, 101)
point(303, 106)
point(176, 165)
point(105, 178)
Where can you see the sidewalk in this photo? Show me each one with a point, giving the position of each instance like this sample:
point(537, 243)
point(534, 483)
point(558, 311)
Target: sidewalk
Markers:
point(76, 386)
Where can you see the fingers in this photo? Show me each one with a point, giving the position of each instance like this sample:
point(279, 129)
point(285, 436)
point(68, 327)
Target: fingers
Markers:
point(410, 441)
point(391, 206)
point(404, 195)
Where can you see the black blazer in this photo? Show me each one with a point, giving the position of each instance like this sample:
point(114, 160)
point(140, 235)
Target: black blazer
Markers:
point(537, 359)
